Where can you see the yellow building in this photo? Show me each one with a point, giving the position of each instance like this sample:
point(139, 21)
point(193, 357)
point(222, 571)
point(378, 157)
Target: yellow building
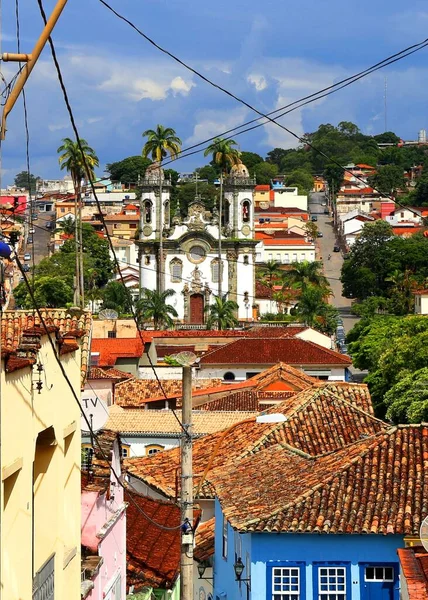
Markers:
point(40, 455)
point(125, 224)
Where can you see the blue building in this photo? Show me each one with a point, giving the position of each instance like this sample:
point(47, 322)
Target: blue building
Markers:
point(320, 528)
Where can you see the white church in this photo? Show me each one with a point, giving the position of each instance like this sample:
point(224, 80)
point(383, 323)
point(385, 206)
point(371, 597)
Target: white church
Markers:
point(201, 257)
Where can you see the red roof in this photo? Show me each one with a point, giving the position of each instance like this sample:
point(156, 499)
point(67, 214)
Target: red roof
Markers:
point(363, 166)
point(414, 566)
point(357, 191)
point(110, 349)
point(406, 231)
point(292, 351)
point(262, 188)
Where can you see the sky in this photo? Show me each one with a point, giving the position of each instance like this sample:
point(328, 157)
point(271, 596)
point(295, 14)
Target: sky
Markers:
point(268, 53)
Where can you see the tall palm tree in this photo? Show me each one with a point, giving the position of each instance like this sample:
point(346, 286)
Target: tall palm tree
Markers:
point(224, 154)
point(222, 314)
point(116, 297)
point(303, 274)
point(153, 306)
point(161, 142)
point(271, 272)
point(80, 160)
point(67, 226)
point(311, 305)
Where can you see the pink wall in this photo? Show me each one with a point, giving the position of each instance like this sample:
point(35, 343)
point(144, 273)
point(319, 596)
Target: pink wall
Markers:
point(97, 510)
point(7, 201)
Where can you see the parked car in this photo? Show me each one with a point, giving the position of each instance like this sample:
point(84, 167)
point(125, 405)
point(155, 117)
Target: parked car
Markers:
point(30, 239)
point(336, 249)
point(324, 204)
point(314, 218)
point(27, 256)
point(49, 225)
point(32, 230)
point(26, 268)
point(344, 349)
point(339, 322)
point(21, 280)
point(320, 234)
point(326, 211)
point(34, 216)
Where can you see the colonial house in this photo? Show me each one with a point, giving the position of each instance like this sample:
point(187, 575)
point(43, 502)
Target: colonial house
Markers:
point(40, 453)
point(321, 525)
point(245, 358)
point(123, 353)
point(286, 197)
point(421, 302)
point(351, 225)
point(103, 534)
point(101, 383)
point(194, 263)
point(284, 247)
point(124, 225)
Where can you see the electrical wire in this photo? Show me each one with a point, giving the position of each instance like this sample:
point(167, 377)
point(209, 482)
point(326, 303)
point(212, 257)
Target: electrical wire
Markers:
point(70, 385)
point(240, 100)
point(88, 173)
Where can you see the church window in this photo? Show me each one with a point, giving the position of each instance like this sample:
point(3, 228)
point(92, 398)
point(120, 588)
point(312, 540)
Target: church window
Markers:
point(147, 211)
point(215, 270)
point(176, 270)
point(226, 213)
point(147, 260)
point(166, 207)
point(197, 254)
point(246, 207)
point(246, 260)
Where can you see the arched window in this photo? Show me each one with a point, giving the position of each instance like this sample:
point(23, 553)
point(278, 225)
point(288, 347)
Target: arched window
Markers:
point(225, 217)
point(176, 268)
point(246, 259)
point(147, 259)
point(246, 208)
point(147, 216)
point(153, 448)
point(229, 376)
point(216, 268)
point(166, 216)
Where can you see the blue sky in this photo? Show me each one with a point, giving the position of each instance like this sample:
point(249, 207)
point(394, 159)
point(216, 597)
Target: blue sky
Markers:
point(269, 53)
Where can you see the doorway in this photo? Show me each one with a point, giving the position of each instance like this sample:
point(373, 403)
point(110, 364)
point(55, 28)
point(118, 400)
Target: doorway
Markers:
point(197, 309)
point(379, 582)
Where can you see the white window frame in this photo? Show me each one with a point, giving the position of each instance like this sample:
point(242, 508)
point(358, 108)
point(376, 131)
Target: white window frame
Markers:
point(286, 574)
point(224, 538)
point(332, 593)
point(377, 579)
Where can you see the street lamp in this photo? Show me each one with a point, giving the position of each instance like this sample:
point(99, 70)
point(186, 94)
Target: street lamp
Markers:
point(202, 566)
point(239, 569)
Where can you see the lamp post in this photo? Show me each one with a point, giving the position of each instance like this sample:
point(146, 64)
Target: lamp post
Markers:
point(202, 566)
point(239, 567)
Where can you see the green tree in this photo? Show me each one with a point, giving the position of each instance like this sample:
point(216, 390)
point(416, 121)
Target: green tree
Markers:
point(187, 191)
point(304, 274)
point(302, 179)
point(49, 292)
point(153, 306)
point(420, 197)
point(265, 172)
point(73, 159)
point(407, 400)
point(348, 128)
point(67, 226)
point(208, 172)
point(388, 179)
point(333, 174)
point(388, 137)
point(271, 273)
point(161, 142)
point(116, 297)
point(222, 314)
point(276, 155)
point(313, 310)
point(295, 159)
point(251, 159)
point(128, 170)
point(24, 181)
point(402, 300)
point(224, 154)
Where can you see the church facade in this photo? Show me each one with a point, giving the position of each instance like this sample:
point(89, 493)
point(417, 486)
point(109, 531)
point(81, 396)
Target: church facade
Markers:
point(199, 257)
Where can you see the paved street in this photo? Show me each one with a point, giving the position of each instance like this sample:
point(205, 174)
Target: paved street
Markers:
point(41, 237)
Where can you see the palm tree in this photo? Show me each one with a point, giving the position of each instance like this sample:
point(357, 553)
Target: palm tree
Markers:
point(303, 274)
point(224, 154)
point(271, 272)
point(80, 160)
point(401, 292)
point(222, 314)
point(153, 306)
point(311, 305)
point(116, 297)
point(161, 142)
point(67, 226)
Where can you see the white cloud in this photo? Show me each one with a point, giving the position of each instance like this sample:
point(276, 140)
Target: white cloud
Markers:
point(258, 81)
point(179, 86)
point(212, 122)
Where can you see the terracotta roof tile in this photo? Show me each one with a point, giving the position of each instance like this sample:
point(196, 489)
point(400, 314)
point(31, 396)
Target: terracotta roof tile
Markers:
point(110, 349)
point(305, 422)
point(137, 392)
point(115, 374)
point(292, 351)
point(204, 540)
point(376, 485)
point(98, 477)
point(152, 553)
point(414, 566)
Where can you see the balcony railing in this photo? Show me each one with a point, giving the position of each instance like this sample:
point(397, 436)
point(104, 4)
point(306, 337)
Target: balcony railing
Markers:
point(44, 581)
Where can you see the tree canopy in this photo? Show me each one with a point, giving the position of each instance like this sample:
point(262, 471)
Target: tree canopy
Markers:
point(128, 170)
point(24, 181)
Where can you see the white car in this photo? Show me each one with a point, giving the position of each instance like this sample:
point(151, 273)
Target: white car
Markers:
point(27, 256)
point(32, 230)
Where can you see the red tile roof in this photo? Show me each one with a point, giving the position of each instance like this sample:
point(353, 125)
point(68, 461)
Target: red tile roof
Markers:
point(152, 553)
point(115, 374)
point(376, 485)
point(358, 192)
point(110, 349)
point(292, 351)
point(137, 392)
point(98, 479)
point(406, 231)
point(196, 333)
point(325, 418)
point(262, 188)
point(414, 566)
point(204, 540)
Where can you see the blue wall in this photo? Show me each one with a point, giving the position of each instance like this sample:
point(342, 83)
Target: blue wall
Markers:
point(266, 549)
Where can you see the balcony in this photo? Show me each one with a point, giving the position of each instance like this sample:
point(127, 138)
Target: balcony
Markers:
point(44, 581)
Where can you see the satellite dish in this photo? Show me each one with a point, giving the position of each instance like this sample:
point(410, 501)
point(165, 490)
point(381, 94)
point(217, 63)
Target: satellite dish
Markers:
point(108, 313)
point(185, 359)
point(423, 533)
point(95, 411)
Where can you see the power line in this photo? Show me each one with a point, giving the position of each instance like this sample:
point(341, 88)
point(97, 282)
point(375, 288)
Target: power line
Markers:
point(70, 385)
point(88, 174)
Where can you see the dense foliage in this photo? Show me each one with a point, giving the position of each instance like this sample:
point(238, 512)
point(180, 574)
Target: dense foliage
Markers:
point(26, 181)
point(128, 170)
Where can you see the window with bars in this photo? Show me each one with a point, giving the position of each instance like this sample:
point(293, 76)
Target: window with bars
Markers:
point(215, 270)
point(286, 583)
point(331, 583)
point(176, 270)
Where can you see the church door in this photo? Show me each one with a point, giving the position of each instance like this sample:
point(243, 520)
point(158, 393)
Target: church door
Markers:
point(197, 309)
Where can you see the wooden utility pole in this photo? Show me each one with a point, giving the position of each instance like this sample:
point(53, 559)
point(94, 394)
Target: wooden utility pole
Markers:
point(220, 262)
point(30, 60)
point(186, 570)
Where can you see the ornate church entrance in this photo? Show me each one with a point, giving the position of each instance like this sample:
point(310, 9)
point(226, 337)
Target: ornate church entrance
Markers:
point(197, 309)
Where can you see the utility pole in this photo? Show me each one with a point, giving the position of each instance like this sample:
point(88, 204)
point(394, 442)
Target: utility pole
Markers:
point(220, 262)
point(160, 267)
point(186, 359)
point(30, 60)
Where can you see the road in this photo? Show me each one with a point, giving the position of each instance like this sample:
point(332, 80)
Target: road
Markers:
point(332, 267)
point(41, 236)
